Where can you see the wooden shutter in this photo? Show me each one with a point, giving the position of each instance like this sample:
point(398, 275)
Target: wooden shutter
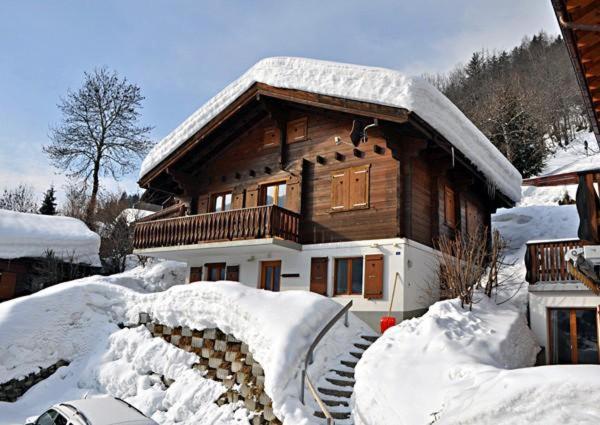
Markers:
point(297, 130)
point(339, 190)
point(237, 199)
point(233, 273)
point(195, 274)
point(359, 187)
point(292, 197)
point(374, 276)
point(8, 282)
point(473, 221)
point(251, 198)
point(449, 207)
point(318, 275)
point(271, 137)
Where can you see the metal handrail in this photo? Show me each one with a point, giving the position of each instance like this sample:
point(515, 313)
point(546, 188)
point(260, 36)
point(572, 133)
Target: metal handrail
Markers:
point(309, 359)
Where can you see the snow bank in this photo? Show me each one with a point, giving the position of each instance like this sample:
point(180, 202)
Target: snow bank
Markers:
point(32, 235)
point(420, 368)
point(77, 321)
point(368, 84)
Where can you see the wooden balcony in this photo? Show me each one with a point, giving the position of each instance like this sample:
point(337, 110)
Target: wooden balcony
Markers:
point(246, 223)
point(545, 261)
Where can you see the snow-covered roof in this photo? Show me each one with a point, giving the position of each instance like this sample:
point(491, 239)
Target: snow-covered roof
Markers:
point(32, 235)
point(367, 84)
point(132, 214)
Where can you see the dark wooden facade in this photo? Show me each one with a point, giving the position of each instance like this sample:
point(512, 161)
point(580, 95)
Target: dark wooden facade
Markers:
point(393, 184)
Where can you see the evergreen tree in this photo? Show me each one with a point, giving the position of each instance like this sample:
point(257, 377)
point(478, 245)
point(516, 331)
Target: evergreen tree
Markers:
point(49, 203)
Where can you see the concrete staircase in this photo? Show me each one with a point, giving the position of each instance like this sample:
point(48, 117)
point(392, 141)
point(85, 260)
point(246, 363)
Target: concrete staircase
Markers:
point(335, 388)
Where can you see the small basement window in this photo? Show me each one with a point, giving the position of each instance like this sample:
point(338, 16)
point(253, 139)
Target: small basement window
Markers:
point(348, 276)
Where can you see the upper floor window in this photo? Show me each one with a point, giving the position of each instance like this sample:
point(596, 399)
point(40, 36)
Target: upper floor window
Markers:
point(220, 202)
point(350, 188)
point(274, 194)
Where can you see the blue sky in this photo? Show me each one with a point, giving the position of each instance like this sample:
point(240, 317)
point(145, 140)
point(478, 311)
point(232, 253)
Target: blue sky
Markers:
point(183, 52)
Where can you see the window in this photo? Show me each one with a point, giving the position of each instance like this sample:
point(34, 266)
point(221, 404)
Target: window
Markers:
point(195, 274)
point(270, 276)
point(350, 189)
point(51, 417)
point(297, 130)
point(449, 207)
point(573, 336)
point(215, 271)
point(274, 194)
point(220, 202)
point(348, 276)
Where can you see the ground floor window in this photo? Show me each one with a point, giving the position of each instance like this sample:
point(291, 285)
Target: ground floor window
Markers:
point(270, 276)
point(573, 336)
point(215, 271)
point(348, 276)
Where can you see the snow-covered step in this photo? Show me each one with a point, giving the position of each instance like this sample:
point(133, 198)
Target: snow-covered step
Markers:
point(335, 402)
point(348, 363)
point(370, 338)
point(340, 382)
point(361, 346)
point(356, 355)
point(336, 415)
point(344, 373)
point(335, 392)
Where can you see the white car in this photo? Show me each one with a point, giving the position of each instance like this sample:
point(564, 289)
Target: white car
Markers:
point(92, 411)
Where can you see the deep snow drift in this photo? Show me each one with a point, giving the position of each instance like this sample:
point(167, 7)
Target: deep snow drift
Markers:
point(368, 84)
point(77, 321)
point(453, 366)
point(32, 235)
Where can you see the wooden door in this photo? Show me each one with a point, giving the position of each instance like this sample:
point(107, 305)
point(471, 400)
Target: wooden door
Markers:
point(318, 275)
point(374, 276)
point(8, 282)
point(270, 275)
point(233, 273)
point(215, 271)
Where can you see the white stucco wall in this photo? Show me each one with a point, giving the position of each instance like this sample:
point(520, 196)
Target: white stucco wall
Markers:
point(544, 296)
point(416, 288)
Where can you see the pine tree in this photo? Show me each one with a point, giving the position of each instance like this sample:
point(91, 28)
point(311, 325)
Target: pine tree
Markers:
point(49, 203)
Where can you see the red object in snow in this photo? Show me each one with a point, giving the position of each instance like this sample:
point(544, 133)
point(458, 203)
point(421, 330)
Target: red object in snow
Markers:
point(386, 323)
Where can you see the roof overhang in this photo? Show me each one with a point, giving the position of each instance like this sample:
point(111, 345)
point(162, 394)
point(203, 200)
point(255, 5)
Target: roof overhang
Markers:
point(579, 22)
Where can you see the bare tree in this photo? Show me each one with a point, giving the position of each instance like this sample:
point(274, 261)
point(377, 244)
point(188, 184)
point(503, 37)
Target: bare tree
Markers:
point(20, 198)
point(76, 199)
point(99, 134)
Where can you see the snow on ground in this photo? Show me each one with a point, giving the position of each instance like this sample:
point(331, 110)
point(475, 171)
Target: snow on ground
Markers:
point(574, 156)
point(77, 321)
point(453, 366)
point(32, 235)
point(368, 84)
point(133, 214)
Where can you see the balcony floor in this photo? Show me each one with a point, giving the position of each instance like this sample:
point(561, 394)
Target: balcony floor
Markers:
point(247, 246)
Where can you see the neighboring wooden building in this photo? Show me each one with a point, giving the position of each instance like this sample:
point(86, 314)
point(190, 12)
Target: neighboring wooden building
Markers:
point(565, 313)
point(288, 188)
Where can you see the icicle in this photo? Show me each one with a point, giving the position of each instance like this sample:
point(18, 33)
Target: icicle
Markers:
point(491, 189)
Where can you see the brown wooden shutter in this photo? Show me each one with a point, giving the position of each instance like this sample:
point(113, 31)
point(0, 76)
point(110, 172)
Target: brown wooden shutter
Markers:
point(195, 274)
point(449, 207)
point(339, 190)
point(292, 197)
point(318, 275)
point(251, 198)
point(8, 282)
point(237, 200)
point(473, 220)
point(202, 204)
point(374, 276)
point(271, 137)
point(233, 273)
point(297, 130)
point(359, 187)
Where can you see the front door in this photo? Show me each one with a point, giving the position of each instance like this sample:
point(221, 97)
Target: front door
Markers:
point(573, 336)
point(318, 275)
point(270, 276)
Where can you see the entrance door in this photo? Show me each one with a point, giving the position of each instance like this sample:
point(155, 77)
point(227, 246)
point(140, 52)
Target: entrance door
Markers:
point(318, 275)
point(233, 273)
point(270, 276)
point(573, 336)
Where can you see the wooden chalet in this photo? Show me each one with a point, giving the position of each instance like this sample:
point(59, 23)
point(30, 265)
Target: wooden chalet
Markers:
point(291, 189)
point(565, 310)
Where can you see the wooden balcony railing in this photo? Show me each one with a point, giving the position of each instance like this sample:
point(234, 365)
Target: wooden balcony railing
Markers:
point(545, 261)
point(246, 223)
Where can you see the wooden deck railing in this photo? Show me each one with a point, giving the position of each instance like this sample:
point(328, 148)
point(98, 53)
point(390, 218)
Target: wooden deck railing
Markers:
point(545, 261)
point(246, 223)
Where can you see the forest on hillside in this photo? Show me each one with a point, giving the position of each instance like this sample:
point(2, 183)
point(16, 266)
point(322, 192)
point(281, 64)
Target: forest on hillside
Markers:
point(526, 101)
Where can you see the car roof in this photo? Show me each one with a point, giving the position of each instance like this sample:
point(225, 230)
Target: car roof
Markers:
point(107, 411)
